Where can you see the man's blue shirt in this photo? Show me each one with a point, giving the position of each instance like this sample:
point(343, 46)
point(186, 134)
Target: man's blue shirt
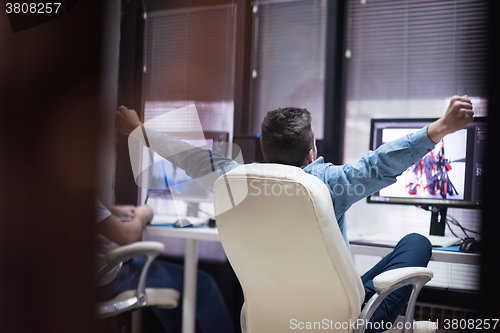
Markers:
point(377, 169)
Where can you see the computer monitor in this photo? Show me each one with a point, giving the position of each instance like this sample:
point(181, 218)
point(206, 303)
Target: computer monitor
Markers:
point(170, 181)
point(450, 175)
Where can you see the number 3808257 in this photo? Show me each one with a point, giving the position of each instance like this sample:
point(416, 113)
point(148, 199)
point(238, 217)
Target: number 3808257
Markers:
point(32, 8)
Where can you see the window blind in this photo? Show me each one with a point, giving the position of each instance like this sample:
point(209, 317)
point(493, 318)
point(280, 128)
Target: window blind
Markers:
point(409, 49)
point(288, 59)
point(189, 59)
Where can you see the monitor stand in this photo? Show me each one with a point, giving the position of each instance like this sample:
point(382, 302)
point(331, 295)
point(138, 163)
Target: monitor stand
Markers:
point(193, 208)
point(438, 220)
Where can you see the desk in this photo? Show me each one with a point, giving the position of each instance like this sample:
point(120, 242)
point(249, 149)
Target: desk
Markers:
point(358, 247)
point(192, 235)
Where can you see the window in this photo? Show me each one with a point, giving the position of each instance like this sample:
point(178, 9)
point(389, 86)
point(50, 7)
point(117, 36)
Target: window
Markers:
point(288, 59)
point(405, 59)
point(189, 59)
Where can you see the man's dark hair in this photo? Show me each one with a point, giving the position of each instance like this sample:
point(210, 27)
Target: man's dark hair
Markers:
point(287, 136)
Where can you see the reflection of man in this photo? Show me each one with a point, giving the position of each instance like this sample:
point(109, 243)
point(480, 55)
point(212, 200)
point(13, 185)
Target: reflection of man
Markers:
point(287, 137)
point(211, 313)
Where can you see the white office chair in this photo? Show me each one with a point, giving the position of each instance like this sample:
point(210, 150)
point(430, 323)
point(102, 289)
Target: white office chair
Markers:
point(278, 229)
point(135, 299)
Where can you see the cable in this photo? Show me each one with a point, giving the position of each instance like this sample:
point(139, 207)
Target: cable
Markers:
point(204, 212)
point(455, 222)
point(452, 220)
point(464, 229)
point(449, 227)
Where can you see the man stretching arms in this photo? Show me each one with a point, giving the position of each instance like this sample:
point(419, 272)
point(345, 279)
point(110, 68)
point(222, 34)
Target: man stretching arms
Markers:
point(287, 137)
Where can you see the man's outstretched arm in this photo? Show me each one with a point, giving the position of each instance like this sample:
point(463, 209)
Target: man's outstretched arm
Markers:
point(127, 120)
point(378, 169)
point(201, 164)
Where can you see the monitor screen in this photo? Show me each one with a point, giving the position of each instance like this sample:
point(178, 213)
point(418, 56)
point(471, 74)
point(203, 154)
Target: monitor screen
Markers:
point(449, 175)
point(170, 181)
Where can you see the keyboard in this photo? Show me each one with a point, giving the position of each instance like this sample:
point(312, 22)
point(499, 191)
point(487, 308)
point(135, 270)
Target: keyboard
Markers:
point(164, 219)
point(392, 239)
point(171, 219)
point(440, 241)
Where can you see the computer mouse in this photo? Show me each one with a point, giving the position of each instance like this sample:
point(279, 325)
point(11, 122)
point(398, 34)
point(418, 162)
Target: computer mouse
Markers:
point(181, 223)
point(470, 244)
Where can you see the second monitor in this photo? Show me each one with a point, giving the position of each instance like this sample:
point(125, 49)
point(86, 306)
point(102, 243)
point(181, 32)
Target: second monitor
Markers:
point(451, 175)
point(170, 181)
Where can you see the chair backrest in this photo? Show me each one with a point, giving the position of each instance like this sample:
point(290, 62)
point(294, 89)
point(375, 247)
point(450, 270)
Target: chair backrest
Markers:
point(285, 246)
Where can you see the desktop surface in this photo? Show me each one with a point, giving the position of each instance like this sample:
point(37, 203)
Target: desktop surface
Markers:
point(391, 239)
point(361, 246)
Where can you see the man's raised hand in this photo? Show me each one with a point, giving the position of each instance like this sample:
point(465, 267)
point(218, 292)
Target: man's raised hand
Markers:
point(126, 120)
point(458, 114)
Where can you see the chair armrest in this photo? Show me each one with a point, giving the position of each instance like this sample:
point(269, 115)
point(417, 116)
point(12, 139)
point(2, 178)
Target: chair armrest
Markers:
point(135, 249)
point(385, 283)
point(127, 252)
point(390, 278)
point(151, 250)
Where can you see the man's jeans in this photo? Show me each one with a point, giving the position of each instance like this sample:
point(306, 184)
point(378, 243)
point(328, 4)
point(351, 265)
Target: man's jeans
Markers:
point(211, 312)
point(413, 250)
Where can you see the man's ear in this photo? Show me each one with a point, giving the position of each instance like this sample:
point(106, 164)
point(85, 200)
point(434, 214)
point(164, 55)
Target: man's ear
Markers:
point(310, 157)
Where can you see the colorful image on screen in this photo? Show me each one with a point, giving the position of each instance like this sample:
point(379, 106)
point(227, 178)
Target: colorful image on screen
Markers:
point(440, 174)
